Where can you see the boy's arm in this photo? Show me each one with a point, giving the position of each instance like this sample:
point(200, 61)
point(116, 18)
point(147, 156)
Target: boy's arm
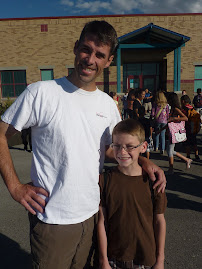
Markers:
point(181, 116)
point(25, 194)
point(160, 236)
point(151, 131)
point(150, 97)
point(102, 240)
point(155, 173)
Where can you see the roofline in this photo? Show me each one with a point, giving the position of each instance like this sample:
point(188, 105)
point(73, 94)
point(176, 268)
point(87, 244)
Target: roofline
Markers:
point(150, 25)
point(103, 16)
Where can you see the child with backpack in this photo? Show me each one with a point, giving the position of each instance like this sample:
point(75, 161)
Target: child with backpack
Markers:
point(176, 116)
point(192, 126)
point(131, 210)
point(160, 114)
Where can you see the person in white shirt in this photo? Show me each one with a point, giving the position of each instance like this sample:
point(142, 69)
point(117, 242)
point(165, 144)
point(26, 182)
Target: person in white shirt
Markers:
point(71, 122)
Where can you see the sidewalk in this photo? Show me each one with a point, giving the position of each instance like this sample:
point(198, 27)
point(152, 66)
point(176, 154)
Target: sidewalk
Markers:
point(183, 216)
point(184, 212)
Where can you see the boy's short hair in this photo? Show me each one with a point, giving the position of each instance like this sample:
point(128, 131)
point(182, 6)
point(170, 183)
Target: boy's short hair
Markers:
point(112, 94)
point(186, 99)
point(103, 31)
point(131, 127)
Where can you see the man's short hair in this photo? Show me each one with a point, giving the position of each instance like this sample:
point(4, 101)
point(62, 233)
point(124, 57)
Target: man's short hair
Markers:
point(198, 90)
point(103, 31)
point(131, 127)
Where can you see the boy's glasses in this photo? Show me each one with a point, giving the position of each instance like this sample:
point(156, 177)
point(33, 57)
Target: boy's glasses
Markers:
point(128, 148)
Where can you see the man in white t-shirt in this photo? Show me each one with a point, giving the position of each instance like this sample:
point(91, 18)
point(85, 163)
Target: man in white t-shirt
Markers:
point(71, 123)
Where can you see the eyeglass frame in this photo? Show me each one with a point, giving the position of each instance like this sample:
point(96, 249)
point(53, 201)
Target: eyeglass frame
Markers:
point(119, 147)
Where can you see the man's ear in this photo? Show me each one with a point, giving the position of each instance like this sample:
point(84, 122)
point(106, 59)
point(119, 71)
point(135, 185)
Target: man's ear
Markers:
point(109, 61)
point(76, 45)
point(144, 147)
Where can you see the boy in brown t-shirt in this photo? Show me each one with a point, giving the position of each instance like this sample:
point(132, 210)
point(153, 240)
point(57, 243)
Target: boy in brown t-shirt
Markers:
point(131, 224)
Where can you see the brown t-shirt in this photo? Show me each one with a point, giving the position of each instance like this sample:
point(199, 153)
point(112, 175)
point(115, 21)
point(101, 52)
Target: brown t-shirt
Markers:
point(130, 210)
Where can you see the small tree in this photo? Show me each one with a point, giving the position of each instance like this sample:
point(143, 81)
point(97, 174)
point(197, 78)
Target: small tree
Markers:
point(4, 105)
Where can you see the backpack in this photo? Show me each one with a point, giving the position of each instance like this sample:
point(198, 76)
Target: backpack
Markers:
point(194, 120)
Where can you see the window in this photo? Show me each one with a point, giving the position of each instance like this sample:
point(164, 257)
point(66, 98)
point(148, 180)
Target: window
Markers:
point(198, 77)
point(143, 75)
point(46, 74)
point(44, 27)
point(13, 83)
point(70, 70)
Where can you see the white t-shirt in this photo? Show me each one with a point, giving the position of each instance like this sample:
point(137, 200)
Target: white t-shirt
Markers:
point(70, 128)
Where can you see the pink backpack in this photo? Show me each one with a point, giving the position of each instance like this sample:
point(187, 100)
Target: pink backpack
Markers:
point(177, 132)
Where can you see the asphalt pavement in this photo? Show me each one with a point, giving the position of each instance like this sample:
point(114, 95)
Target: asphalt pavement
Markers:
point(183, 215)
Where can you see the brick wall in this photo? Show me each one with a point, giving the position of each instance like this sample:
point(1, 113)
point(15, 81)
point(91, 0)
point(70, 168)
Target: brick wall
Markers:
point(23, 45)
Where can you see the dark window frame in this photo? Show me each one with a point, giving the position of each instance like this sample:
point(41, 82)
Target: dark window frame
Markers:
point(14, 84)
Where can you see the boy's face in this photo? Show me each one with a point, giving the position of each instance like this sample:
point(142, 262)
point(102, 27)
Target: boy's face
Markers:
point(123, 152)
point(91, 58)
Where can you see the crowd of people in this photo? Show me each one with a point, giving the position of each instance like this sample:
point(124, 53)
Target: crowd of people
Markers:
point(157, 111)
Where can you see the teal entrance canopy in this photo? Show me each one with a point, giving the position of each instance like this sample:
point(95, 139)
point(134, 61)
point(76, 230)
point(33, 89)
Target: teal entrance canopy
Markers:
point(152, 37)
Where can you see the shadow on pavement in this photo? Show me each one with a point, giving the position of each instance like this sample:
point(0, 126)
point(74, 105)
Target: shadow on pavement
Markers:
point(185, 183)
point(17, 148)
point(12, 256)
point(175, 201)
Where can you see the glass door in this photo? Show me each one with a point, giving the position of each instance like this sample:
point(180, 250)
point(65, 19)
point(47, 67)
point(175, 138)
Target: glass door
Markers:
point(133, 82)
point(149, 82)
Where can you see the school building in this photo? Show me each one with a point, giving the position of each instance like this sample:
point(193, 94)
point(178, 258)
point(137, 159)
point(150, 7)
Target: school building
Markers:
point(156, 51)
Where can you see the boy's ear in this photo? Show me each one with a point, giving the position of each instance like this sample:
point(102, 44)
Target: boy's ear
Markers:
point(144, 147)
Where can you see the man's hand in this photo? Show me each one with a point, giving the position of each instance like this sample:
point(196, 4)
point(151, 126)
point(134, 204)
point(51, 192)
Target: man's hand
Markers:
point(28, 196)
point(155, 173)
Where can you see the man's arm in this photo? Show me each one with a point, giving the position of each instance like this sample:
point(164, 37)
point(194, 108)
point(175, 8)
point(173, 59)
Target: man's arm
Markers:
point(154, 172)
point(160, 237)
point(109, 155)
point(25, 194)
point(102, 241)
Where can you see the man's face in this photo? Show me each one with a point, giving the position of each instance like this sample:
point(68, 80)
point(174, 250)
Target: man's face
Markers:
point(91, 58)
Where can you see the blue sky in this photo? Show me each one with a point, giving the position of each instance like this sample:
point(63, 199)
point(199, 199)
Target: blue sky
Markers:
point(52, 8)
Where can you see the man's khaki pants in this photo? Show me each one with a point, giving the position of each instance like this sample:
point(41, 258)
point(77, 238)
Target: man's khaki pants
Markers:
point(61, 246)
